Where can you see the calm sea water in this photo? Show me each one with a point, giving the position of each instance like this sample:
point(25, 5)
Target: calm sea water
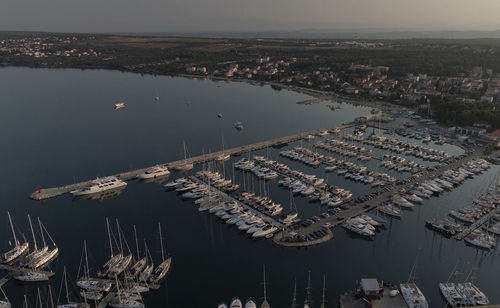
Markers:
point(59, 126)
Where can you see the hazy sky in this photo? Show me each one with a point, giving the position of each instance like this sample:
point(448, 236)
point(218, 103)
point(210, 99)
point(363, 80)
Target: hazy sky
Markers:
point(246, 15)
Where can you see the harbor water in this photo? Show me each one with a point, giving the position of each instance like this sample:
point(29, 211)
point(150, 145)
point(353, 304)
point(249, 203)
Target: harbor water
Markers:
point(59, 126)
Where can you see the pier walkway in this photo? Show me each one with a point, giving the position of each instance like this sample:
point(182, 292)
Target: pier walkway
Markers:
point(46, 193)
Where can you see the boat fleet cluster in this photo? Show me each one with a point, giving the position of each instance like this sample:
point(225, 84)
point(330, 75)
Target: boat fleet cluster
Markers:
point(120, 282)
point(479, 223)
point(408, 148)
point(249, 213)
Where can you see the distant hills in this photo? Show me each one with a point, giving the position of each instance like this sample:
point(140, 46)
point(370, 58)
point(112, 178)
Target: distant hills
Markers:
point(346, 34)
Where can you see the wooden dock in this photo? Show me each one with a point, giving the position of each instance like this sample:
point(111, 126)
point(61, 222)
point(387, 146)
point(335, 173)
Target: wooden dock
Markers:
point(46, 193)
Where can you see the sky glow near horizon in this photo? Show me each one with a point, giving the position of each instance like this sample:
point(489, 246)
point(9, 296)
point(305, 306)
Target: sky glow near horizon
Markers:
point(247, 15)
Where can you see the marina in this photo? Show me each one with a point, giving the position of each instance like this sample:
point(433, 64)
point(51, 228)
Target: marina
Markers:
point(219, 246)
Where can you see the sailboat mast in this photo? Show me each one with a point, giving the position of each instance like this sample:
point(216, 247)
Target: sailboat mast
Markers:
point(323, 301)
point(66, 284)
point(12, 228)
point(161, 243)
point(136, 243)
point(41, 232)
point(86, 258)
point(119, 236)
point(32, 233)
point(109, 237)
point(264, 284)
point(294, 300)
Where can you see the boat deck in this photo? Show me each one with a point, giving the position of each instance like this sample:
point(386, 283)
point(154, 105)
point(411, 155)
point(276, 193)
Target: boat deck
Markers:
point(46, 193)
point(13, 270)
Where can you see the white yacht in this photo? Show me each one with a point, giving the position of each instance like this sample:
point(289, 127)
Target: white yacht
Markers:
point(153, 173)
point(100, 185)
point(264, 231)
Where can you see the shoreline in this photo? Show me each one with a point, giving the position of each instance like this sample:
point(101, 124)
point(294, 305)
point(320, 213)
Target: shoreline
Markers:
point(321, 96)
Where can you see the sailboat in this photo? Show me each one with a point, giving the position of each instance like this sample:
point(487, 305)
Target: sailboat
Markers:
point(223, 157)
point(164, 266)
point(36, 253)
point(411, 293)
point(69, 303)
point(140, 262)
point(184, 166)
point(148, 268)
point(265, 304)
point(113, 259)
point(4, 303)
point(18, 250)
point(92, 288)
point(308, 300)
point(323, 300)
point(124, 300)
point(124, 262)
point(39, 257)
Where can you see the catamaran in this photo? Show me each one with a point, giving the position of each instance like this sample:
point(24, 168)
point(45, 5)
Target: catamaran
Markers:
point(185, 166)
point(164, 266)
point(18, 250)
point(99, 185)
point(412, 295)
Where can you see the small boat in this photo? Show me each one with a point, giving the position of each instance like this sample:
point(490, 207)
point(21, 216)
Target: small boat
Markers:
point(156, 171)
point(119, 105)
point(220, 115)
point(238, 125)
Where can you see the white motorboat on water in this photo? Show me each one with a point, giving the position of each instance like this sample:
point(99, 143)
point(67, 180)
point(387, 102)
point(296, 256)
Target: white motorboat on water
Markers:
point(119, 105)
point(155, 172)
point(100, 185)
